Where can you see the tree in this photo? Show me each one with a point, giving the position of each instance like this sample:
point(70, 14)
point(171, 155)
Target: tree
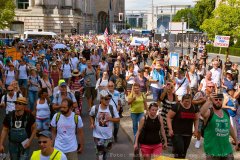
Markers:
point(203, 10)
point(188, 12)
point(7, 13)
point(225, 20)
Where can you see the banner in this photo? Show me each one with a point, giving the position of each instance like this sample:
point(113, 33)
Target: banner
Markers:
point(138, 41)
point(221, 41)
point(174, 60)
point(12, 52)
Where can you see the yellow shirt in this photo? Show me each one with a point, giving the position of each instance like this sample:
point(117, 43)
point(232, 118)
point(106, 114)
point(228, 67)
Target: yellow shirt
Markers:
point(138, 105)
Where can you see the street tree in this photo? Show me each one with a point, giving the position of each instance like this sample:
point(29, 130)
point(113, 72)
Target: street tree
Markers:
point(225, 20)
point(203, 10)
point(186, 13)
point(7, 13)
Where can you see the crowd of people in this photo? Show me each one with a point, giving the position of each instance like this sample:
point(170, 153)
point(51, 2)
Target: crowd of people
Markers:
point(42, 96)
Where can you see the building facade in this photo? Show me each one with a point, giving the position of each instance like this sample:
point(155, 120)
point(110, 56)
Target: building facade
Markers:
point(61, 16)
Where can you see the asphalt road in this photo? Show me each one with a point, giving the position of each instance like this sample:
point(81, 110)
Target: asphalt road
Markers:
point(123, 149)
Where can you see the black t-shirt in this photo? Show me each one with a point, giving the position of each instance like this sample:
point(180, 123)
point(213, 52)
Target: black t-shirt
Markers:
point(235, 74)
point(26, 116)
point(228, 65)
point(86, 54)
point(183, 120)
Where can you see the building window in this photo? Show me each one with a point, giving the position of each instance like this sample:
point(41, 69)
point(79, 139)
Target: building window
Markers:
point(22, 4)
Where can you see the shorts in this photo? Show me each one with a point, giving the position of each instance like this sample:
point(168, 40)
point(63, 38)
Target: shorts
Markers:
point(90, 92)
point(148, 150)
point(23, 83)
point(43, 124)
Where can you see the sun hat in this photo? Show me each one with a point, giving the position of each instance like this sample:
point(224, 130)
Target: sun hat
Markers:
point(76, 73)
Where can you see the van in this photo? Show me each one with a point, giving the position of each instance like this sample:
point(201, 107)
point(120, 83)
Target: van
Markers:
point(30, 35)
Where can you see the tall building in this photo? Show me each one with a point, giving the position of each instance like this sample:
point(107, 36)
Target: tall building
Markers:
point(60, 16)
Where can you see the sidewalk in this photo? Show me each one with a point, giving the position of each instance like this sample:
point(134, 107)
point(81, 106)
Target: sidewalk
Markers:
point(192, 154)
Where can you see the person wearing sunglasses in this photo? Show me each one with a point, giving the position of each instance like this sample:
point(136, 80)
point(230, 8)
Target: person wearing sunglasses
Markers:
point(47, 151)
point(102, 117)
point(20, 127)
point(218, 129)
point(9, 99)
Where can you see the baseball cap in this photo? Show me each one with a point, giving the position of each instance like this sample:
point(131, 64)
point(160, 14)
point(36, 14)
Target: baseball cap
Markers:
point(45, 133)
point(134, 59)
point(105, 93)
point(229, 71)
point(60, 82)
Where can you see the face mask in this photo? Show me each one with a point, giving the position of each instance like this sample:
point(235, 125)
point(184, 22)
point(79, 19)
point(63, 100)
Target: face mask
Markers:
point(217, 107)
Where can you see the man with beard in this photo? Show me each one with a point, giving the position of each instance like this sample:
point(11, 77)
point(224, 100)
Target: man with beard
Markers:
point(67, 127)
point(217, 130)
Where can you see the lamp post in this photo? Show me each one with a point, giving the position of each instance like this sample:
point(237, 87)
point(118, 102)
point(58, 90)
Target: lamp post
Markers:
point(189, 48)
point(182, 19)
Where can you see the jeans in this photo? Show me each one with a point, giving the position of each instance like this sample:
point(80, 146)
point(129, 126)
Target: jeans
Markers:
point(115, 130)
point(32, 98)
point(135, 120)
point(156, 93)
point(17, 152)
point(180, 145)
point(43, 124)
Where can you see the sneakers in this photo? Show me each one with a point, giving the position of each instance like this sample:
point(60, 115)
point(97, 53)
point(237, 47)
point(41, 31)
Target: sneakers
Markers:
point(198, 144)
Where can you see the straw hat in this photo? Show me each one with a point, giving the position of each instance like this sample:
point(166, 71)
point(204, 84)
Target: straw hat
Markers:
point(76, 73)
point(22, 100)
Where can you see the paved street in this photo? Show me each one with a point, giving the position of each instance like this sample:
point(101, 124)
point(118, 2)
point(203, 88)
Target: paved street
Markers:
point(121, 150)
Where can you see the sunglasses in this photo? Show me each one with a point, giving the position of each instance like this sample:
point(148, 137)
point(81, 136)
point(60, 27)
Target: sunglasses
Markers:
point(19, 103)
point(39, 142)
point(110, 86)
point(106, 99)
point(218, 99)
point(9, 90)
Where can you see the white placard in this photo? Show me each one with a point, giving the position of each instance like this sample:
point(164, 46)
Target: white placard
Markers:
point(174, 59)
point(221, 41)
point(136, 41)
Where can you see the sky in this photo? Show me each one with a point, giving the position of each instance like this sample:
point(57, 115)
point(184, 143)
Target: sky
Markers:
point(146, 4)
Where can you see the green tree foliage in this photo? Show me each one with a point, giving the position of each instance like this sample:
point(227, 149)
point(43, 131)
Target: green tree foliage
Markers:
point(225, 20)
point(188, 12)
point(203, 10)
point(7, 13)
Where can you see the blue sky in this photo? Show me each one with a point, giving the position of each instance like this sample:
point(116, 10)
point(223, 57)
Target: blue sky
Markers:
point(146, 4)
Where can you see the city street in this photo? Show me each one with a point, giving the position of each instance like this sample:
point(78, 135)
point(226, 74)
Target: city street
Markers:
point(121, 150)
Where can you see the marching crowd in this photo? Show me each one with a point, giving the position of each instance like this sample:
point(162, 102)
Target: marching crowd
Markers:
point(42, 95)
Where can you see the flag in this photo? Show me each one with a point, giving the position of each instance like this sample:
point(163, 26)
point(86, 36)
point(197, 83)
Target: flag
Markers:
point(106, 37)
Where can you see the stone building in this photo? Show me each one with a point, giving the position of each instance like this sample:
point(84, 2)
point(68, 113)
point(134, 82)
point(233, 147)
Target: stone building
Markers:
point(61, 16)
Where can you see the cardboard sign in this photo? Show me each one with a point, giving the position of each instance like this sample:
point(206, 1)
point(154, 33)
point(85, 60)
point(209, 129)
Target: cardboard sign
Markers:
point(221, 41)
point(136, 41)
point(12, 52)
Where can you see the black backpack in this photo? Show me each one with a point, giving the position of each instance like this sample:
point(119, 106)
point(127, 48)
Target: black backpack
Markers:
point(5, 97)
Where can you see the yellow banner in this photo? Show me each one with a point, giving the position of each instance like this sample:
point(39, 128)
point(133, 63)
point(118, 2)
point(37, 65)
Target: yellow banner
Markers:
point(12, 52)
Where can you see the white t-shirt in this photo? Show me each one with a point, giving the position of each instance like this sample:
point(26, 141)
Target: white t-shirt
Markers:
point(216, 76)
point(115, 98)
point(10, 76)
point(74, 62)
point(104, 66)
point(131, 80)
point(42, 157)
point(194, 80)
point(66, 140)
point(183, 89)
point(10, 106)
point(22, 72)
point(103, 129)
point(67, 70)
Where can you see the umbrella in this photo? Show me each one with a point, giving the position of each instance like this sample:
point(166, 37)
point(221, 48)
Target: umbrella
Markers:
point(59, 46)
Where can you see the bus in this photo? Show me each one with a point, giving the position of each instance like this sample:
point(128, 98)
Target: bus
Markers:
point(7, 37)
point(30, 35)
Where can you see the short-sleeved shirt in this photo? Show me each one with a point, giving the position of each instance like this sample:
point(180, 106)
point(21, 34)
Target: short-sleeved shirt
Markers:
point(26, 115)
point(103, 129)
point(183, 120)
point(10, 105)
point(66, 140)
point(58, 98)
point(67, 70)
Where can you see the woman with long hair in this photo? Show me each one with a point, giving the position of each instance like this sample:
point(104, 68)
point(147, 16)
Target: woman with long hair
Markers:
point(55, 74)
point(130, 76)
point(42, 110)
point(168, 99)
point(150, 134)
point(138, 104)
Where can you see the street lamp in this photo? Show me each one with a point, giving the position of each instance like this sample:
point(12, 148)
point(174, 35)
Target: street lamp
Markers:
point(189, 48)
point(182, 19)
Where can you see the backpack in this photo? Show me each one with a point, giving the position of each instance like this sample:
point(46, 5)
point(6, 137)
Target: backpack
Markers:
point(5, 97)
point(68, 93)
point(26, 69)
point(75, 119)
point(97, 108)
point(209, 118)
point(71, 68)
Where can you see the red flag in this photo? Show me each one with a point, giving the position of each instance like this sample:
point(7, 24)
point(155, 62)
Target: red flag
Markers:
point(106, 37)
